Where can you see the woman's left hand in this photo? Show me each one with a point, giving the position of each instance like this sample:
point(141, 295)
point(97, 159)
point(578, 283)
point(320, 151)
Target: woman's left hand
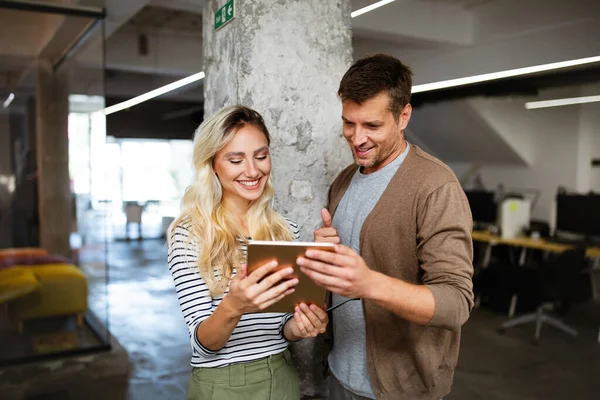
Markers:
point(308, 321)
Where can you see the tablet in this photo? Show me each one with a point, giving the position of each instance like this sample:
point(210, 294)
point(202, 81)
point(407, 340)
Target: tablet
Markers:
point(261, 252)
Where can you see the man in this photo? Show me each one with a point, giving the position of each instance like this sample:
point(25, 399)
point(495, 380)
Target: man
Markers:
point(404, 224)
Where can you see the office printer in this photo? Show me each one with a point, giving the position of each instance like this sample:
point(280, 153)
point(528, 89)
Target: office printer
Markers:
point(513, 217)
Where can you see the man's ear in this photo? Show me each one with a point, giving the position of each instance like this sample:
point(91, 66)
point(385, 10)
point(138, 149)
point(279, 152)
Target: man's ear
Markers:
point(405, 115)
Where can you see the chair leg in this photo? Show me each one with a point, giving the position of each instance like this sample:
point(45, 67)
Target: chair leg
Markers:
point(487, 256)
point(594, 265)
point(538, 322)
point(540, 318)
point(521, 320)
point(558, 324)
point(513, 306)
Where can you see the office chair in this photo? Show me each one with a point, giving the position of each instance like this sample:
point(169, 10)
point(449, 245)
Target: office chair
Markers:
point(553, 281)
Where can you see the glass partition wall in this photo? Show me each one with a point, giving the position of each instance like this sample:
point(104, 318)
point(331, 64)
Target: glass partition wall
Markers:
point(53, 228)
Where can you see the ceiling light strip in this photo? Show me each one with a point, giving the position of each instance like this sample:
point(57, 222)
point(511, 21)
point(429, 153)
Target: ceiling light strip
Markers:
point(153, 93)
point(8, 100)
point(561, 102)
point(502, 74)
point(373, 6)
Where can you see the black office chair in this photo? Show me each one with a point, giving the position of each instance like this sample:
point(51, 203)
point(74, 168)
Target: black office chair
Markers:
point(552, 282)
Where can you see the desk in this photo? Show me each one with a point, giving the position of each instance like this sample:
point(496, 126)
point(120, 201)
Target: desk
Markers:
point(530, 243)
point(536, 244)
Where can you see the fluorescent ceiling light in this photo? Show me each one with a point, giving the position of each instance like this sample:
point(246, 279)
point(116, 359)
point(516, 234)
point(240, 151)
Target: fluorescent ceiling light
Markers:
point(8, 100)
point(153, 93)
point(370, 8)
point(502, 74)
point(561, 102)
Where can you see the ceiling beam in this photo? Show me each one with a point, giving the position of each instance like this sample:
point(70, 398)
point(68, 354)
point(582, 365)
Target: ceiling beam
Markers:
point(416, 21)
point(53, 8)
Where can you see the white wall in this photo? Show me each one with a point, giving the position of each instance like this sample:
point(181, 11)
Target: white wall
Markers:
point(555, 134)
point(588, 178)
point(512, 123)
point(456, 132)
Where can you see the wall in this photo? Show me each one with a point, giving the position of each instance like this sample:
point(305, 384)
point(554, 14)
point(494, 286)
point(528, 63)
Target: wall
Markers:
point(457, 131)
point(588, 178)
point(555, 134)
point(512, 123)
point(169, 53)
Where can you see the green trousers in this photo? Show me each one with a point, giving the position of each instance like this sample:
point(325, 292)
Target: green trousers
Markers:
point(270, 378)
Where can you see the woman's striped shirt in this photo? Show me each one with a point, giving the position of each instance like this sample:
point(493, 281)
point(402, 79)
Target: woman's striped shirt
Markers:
point(256, 336)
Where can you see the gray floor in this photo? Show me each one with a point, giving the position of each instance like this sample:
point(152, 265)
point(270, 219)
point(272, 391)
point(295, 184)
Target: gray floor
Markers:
point(509, 366)
point(145, 318)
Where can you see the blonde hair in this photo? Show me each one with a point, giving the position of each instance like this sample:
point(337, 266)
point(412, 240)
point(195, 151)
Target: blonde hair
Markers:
point(211, 228)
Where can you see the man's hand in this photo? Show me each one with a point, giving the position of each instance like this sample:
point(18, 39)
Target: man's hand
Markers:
point(326, 233)
point(308, 321)
point(346, 273)
point(343, 272)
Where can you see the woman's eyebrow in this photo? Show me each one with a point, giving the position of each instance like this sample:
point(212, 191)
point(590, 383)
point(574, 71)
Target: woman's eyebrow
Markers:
point(264, 148)
point(235, 154)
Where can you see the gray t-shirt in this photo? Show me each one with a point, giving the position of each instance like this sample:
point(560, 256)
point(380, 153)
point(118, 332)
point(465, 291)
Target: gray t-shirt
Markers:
point(348, 358)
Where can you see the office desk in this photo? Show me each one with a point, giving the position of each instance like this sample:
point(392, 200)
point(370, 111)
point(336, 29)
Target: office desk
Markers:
point(536, 244)
point(529, 243)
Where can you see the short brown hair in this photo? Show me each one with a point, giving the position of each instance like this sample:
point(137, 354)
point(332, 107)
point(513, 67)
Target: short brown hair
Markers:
point(374, 74)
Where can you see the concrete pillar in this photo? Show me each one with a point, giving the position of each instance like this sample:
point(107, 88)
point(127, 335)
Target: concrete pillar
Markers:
point(52, 111)
point(285, 59)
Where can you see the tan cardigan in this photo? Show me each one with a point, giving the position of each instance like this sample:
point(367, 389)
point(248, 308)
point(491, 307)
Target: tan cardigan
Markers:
point(419, 232)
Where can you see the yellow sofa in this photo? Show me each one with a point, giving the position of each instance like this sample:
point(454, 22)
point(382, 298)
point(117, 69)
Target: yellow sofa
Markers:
point(62, 291)
point(16, 282)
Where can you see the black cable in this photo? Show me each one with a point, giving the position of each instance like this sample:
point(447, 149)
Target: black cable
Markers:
point(341, 304)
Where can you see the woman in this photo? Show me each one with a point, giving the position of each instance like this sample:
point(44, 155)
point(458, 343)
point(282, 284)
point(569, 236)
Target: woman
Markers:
point(238, 353)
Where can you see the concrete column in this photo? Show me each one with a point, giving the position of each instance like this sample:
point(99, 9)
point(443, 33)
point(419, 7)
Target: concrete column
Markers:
point(285, 59)
point(52, 111)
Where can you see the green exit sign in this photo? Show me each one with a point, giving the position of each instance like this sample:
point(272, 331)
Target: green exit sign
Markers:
point(225, 14)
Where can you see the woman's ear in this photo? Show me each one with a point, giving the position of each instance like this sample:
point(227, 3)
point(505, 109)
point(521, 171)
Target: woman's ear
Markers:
point(216, 176)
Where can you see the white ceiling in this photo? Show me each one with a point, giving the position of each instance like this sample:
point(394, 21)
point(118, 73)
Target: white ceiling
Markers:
point(467, 4)
point(439, 39)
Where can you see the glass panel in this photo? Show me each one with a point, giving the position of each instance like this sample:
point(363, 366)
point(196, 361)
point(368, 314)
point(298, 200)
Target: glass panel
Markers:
point(53, 299)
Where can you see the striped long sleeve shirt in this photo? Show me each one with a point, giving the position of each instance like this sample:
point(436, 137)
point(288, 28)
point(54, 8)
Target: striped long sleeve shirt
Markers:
point(257, 335)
